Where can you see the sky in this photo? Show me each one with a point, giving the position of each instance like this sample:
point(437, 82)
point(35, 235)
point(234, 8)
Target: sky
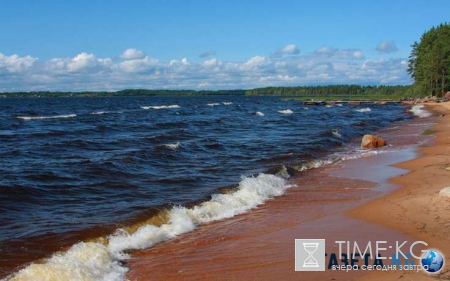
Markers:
point(95, 45)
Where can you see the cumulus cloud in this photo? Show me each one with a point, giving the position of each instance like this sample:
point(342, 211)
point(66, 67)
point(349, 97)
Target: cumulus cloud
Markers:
point(290, 49)
point(207, 54)
point(86, 71)
point(387, 47)
point(15, 63)
point(132, 54)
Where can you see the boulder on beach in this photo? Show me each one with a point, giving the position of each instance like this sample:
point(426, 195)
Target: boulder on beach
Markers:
point(445, 192)
point(370, 141)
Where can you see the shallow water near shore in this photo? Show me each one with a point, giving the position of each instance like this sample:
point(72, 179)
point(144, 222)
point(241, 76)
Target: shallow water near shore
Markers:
point(78, 169)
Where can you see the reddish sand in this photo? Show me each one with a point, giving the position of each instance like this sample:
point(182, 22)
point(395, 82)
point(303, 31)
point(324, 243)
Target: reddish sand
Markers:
point(259, 245)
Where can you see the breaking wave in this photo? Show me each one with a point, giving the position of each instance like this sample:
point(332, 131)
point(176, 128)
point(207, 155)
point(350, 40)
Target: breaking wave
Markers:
point(172, 146)
point(259, 113)
point(286, 111)
point(46, 117)
point(161, 106)
point(103, 261)
point(105, 112)
point(420, 111)
point(213, 104)
point(366, 109)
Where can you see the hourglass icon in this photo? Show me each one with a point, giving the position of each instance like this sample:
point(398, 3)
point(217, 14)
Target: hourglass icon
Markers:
point(310, 260)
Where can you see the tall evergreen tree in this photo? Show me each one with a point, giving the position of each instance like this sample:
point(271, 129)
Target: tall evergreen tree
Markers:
point(429, 61)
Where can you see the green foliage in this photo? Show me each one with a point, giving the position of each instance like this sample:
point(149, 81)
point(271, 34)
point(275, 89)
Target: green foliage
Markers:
point(429, 61)
point(337, 92)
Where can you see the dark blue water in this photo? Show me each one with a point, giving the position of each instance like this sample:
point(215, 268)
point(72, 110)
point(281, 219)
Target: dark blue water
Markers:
point(78, 170)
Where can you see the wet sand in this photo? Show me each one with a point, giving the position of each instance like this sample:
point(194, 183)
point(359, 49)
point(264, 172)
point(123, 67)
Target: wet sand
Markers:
point(335, 202)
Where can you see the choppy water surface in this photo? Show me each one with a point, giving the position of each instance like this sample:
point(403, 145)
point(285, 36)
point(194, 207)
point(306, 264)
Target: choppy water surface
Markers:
point(72, 168)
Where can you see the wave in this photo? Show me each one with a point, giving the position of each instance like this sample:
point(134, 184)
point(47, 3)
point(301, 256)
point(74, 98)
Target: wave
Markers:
point(335, 132)
point(420, 111)
point(105, 112)
point(46, 117)
point(366, 109)
point(103, 261)
point(161, 106)
point(172, 146)
point(259, 113)
point(227, 103)
point(213, 104)
point(286, 111)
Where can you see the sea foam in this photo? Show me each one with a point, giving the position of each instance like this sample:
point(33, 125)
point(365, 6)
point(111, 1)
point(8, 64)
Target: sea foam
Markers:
point(161, 106)
point(96, 261)
point(286, 111)
point(46, 117)
point(420, 111)
point(366, 109)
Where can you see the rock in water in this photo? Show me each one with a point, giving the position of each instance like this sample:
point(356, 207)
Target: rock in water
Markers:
point(370, 141)
point(445, 192)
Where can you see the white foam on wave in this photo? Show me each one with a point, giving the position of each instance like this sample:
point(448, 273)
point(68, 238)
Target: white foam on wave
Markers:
point(366, 109)
point(105, 112)
point(172, 146)
point(46, 117)
point(420, 111)
point(286, 111)
point(95, 261)
point(161, 106)
point(259, 113)
point(227, 103)
point(213, 104)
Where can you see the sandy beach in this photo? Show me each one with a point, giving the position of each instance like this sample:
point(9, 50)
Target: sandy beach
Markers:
point(390, 196)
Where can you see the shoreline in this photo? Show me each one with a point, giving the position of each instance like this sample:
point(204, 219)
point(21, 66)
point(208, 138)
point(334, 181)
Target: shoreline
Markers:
point(261, 243)
point(417, 209)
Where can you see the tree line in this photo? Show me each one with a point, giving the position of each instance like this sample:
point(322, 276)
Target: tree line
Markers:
point(429, 61)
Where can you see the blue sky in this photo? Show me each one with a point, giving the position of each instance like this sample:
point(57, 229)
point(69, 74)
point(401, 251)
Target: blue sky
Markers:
point(82, 45)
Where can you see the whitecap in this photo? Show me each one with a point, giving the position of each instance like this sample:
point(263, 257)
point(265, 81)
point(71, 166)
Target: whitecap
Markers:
point(259, 113)
point(161, 106)
point(420, 111)
point(227, 103)
point(366, 109)
point(172, 146)
point(286, 111)
point(105, 112)
point(213, 104)
point(46, 117)
point(335, 132)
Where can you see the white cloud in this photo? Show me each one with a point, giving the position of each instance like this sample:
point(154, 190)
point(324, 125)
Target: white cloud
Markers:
point(87, 72)
point(132, 54)
point(387, 47)
point(15, 63)
point(137, 65)
point(211, 62)
point(290, 49)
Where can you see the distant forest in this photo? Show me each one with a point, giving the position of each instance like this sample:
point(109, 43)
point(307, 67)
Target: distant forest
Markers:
point(306, 92)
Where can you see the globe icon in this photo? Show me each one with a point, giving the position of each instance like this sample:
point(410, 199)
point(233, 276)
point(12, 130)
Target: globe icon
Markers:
point(432, 261)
